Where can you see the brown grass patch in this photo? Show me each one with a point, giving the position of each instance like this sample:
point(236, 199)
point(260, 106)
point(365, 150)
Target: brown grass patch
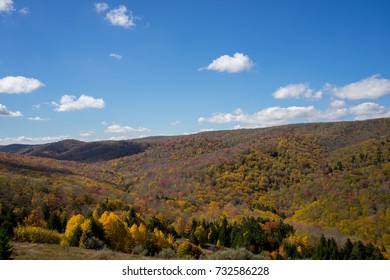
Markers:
point(39, 251)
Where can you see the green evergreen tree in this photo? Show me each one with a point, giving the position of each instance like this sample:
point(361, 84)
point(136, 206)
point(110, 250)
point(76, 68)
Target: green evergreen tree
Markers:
point(151, 248)
point(193, 238)
point(74, 240)
point(373, 253)
point(132, 218)
point(54, 222)
point(333, 250)
point(358, 251)
point(213, 234)
point(321, 250)
point(347, 250)
point(6, 251)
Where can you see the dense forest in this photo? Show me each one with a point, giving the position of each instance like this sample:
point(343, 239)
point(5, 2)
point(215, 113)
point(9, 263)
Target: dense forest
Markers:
point(302, 191)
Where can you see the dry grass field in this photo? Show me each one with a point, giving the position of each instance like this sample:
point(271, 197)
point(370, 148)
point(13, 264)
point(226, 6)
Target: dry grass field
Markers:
point(39, 251)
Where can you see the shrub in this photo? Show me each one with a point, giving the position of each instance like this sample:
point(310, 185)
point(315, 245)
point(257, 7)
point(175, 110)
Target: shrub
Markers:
point(236, 254)
point(92, 243)
point(188, 249)
point(150, 248)
point(167, 254)
point(37, 235)
point(104, 254)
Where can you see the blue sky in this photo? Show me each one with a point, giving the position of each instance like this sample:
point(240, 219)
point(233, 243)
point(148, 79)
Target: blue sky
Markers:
point(94, 70)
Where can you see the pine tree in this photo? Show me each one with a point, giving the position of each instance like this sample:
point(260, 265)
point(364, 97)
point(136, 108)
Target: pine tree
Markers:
point(347, 250)
point(333, 250)
point(54, 222)
point(358, 251)
point(224, 233)
point(6, 251)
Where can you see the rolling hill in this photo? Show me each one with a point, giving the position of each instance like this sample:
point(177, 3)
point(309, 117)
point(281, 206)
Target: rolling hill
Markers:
point(78, 151)
point(323, 178)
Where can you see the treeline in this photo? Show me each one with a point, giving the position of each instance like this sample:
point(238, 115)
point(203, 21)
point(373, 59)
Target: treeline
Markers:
point(128, 232)
point(328, 249)
point(254, 234)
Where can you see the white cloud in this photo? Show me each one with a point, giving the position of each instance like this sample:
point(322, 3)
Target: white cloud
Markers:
point(31, 140)
point(232, 64)
point(199, 131)
point(267, 117)
point(37, 119)
point(70, 103)
point(337, 103)
point(101, 7)
point(334, 114)
point(19, 84)
point(206, 130)
point(296, 91)
point(221, 118)
point(6, 6)
point(24, 11)
point(86, 133)
point(121, 17)
point(4, 112)
point(116, 56)
point(118, 128)
point(118, 138)
point(174, 123)
point(369, 110)
point(370, 88)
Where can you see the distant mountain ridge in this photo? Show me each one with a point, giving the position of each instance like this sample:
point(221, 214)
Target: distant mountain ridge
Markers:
point(79, 151)
point(331, 134)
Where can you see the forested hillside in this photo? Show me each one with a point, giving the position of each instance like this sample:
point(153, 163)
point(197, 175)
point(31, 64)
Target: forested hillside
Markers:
point(316, 191)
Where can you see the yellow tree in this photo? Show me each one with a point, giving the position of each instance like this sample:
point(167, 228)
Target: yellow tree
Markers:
point(117, 232)
point(138, 233)
point(201, 234)
point(73, 230)
point(161, 241)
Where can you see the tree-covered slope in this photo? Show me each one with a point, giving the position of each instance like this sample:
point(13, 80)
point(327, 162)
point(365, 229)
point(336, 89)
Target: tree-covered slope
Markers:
point(319, 177)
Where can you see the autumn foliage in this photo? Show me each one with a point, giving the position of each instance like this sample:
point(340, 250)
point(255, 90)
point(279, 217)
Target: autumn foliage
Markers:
point(272, 192)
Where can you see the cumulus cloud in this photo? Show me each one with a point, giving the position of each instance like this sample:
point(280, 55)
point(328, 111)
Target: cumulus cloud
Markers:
point(19, 84)
point(116, 56)
point(337, 104)
point(296, 91)
point(337, 110)
point(38, 119)
point(266, 117)
point(71, 103)
point(31, 140)
point(370, 88)
point(101, 7)
point(239, 62)
point(373, 87)
point(6, 6)
point(369, 110)
point(118, 128)
point(4, 112)
point(121, 17)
